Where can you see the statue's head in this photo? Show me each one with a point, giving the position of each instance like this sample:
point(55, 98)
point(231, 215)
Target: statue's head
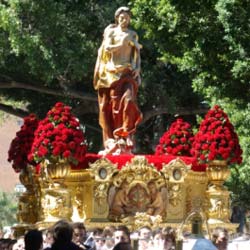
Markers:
point(121, 10)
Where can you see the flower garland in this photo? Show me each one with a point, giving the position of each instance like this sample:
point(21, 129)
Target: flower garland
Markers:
point(177, 140)
point(59, 137)
point(216, 139)
point(21, 145)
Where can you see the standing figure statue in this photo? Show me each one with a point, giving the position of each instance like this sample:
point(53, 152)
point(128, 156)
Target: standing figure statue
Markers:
point(116, 78)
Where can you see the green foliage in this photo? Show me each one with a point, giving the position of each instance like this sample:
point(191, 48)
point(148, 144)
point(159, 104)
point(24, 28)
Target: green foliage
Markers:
point(54, 41)
point(208, 39)
point(239, 185)
point(8, 209)
point(46, 34)
point(239, 115)
point(209, 42)
point(52, 44)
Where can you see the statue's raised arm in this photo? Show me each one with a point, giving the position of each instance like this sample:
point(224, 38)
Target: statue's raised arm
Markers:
point(116, 78)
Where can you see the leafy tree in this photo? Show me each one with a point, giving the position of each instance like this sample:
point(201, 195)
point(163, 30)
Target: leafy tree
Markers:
point(48, 51)
point(8, 209)
point(208, 41)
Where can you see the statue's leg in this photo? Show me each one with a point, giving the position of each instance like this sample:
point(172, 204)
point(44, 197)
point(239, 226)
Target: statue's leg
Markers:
point(115, 96)
point(130, 110)
point(105, 114)
point(126, 114)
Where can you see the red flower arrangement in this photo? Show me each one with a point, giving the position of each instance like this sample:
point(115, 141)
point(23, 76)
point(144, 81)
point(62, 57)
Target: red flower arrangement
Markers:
point(21, 145)
point(216, 139)
point(59, 137)
point(177, 140)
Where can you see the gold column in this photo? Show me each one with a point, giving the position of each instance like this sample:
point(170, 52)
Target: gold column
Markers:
point(29, 202)
point(218, 208)
point(101, 171)
point(55, 196)
point(79, 183)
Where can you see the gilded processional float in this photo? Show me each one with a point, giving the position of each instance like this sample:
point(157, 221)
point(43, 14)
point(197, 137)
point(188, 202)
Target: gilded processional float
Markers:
point(181, 183)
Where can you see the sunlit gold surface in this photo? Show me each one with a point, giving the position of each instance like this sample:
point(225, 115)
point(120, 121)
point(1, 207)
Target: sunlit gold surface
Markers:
point(88, 195)
point(28, 206)
point(55, 197)
point(217, 173)
point(218, 205)
point(57, 171)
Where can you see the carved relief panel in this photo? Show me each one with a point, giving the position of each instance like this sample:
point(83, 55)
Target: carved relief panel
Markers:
point(137, 187)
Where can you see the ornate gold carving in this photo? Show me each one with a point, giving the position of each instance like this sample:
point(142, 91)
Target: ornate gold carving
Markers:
point(137, 188)
point(196, 183)
point(176, 170)
point(102, 171)
point(138, 170)
point(27, 209)
point(175, 174)
point(231, 227)
point(177, 199)
point(142, 219)
point(217, 173)
point(76, 176)
point(56, 204)
point(196, 177)
point(80, 183)
point(90, 193)
point(218, 208)
point(101, 164)
point(78, 204)
point(175, 194)
point(100, 194)
point(81, 197)
point(56, 171)
point(28, 204)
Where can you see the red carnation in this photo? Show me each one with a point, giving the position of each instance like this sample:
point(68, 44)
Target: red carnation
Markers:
point(56, 138)
point(177, 140)
point(72, 145)
point(66, 153)
point(21, 145)
point(216, 139)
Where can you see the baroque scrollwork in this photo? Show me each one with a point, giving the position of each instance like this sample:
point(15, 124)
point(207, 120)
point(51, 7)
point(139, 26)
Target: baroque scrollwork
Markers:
point(137, 188)
point(56, 204)
point(176, 170)
point(143, 219)
point(78, 201)
point(102, 171)
point(28, 204)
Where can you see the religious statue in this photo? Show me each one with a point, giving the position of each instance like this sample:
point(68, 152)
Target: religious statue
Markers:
point(116, 78)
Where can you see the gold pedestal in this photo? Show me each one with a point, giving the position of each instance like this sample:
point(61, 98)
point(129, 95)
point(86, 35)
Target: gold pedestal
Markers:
point(218, 209)
point(103, 195)
point(55, 195)
point(28, 204)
